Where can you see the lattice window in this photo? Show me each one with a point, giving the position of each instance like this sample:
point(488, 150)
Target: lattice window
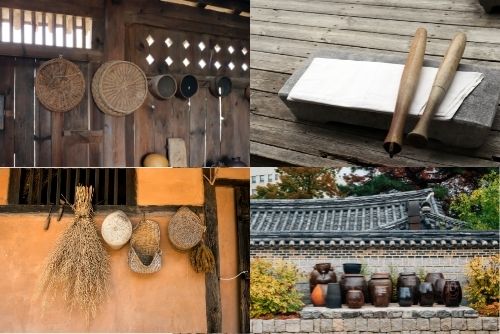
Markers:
point(44, 28)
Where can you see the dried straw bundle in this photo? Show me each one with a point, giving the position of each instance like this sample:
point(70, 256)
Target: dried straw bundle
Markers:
point(202, 259)
point(78, 268)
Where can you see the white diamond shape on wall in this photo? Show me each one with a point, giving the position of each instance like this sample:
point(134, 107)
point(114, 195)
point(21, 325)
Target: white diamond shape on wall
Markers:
point(186, 62)
point(150, 40)
point(202, 63)
point(217, 48)
point(217, 64)
point(244, 67)
point(201, 46)
point(150, 59)
point(244, 51)
point(185, 44)
point(231, 66)
point(169, 61)
point(169, 42)
point(230, 49)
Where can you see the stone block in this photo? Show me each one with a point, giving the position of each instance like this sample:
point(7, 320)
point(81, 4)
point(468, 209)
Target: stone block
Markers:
point(490, 324)
point(280, 326)
point(394, 314)
point(293, 325)
point(338, 325)
point(482, 332)
point(409, 324)
point(423, 324)
point(385, 325)
point(310, 313)
point(361, 324)
point(317, 325)
point(350, 315)
point(396, 325)
point(458, 323)
point(380, 314)
point(368, 314)
point(443, 314)
point(307, 326)
point(407, 315)
point(373, 325)
point(470, 313)
point(350, 324)
point(326, 325)
point(446, 324)
point(474, 324)
point(435, 324)
point(257, 326)
point(268, 326)
point(425, 314)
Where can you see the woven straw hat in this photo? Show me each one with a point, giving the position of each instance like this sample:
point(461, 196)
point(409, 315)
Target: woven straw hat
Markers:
point(144, 255)
point(116, 229)
point(185, 230)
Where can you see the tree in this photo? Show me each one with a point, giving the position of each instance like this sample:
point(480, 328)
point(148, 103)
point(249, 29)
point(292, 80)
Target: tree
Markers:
point(480, 208)
point(300, 183)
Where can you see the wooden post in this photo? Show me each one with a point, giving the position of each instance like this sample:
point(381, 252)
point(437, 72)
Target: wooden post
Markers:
point(114, 49)
point(14, 185)
point(242, 201)
point(212, 286)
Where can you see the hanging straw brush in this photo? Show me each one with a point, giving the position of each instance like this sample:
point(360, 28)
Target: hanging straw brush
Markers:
point(78, 268)
point(202, 258)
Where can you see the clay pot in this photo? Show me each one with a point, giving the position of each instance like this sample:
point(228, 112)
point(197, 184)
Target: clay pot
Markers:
point(380, 279)
point(355, 298)
point(438, 290)
point(381, 296)
point(433, 277)
point(333, 296)
point(452, 293)
point(353, 282)
point(318, 295)
point(322, 274)
point(412, 281)
point(426, 294)
point(405, 296)
point(352, 268)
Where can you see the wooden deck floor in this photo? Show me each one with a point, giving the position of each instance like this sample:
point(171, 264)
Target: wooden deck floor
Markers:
point(285, 32)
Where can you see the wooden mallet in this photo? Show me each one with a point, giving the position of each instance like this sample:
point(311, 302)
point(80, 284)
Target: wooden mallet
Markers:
point(407, 87)
point(443, 80)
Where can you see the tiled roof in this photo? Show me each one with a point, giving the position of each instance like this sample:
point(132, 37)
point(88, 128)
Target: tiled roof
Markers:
point(364, 213)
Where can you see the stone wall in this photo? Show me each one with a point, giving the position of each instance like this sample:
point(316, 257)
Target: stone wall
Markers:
point(451, 262)
point(369, 319)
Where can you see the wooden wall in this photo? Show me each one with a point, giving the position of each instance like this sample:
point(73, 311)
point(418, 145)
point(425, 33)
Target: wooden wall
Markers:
point(87, 137)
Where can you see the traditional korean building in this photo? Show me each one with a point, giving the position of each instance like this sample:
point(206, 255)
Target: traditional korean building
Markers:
point(400, 231)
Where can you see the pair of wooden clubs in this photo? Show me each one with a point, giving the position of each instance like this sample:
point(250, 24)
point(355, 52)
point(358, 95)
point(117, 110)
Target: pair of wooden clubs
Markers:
point(408, 85)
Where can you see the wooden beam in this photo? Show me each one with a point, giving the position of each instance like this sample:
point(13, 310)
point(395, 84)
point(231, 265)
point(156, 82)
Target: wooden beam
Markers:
point(212, 284)
point(44, 52)
point(242, 200)
point(14, 186)
point(128, 209)
point(92, 8)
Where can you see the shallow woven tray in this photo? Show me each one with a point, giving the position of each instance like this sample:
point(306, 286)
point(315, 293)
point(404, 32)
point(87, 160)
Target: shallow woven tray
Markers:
point(59, 85)
point(119, 88)
point(144, 254)
point(185, 230)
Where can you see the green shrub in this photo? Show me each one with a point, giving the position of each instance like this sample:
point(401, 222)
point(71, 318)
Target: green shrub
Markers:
point(272, 288)
point(483, 284)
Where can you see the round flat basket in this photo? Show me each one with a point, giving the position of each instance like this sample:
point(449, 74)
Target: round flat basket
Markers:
point(145, 254)
point(116, 229)
point(185, 230)
point(59, 85)
point(119, 88)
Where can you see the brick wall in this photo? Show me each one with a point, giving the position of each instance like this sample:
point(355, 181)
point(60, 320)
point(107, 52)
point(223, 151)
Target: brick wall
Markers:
point(451, 262)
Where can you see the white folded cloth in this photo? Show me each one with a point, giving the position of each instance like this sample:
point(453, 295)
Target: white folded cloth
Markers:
point(374, 86)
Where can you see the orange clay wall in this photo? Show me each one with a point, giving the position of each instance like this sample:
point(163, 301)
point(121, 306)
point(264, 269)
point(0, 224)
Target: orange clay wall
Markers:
point(4, 185)
point(172, 300)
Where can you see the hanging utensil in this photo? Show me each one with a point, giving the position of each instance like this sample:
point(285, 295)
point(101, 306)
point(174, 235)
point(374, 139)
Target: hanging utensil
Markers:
point(47, 221)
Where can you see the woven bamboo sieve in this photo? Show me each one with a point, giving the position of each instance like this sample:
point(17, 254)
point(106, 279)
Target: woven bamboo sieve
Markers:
point(144, 253)
point(59, 85)
point(119, 88)
point(185, 230)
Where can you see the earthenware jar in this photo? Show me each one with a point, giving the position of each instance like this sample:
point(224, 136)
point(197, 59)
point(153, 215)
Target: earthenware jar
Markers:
point(412, 281)
point(438, 290)
point(322, 274)
point(380, 279)
point(333, 296)
point(353, 282)
point(352, 268)
point(452, 293)
point(426, 294)
point(318, 295)
point(381, 296)
point(355, 298)
point(405, 296)
point(433, 277)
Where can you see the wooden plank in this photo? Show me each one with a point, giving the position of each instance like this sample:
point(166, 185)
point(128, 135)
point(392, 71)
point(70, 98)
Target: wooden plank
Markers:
point(106, 186)
point(86, 8)
point(212, 133)
point(96, 183)
point(49, 188)
point(445, 5)
point(242, 200)
point(58, 185)
point(57, 120)
point(7, 134)
point(24, 113)
point(40, 51)
point(197, 128)
point(212, 284)
point(96, 122)
point(14, 186)
point(115, 186)
point(67, 186)
point(131, 198)
point(43, 131)
point(114, 127)
point(177, 152)
point(469, 18)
